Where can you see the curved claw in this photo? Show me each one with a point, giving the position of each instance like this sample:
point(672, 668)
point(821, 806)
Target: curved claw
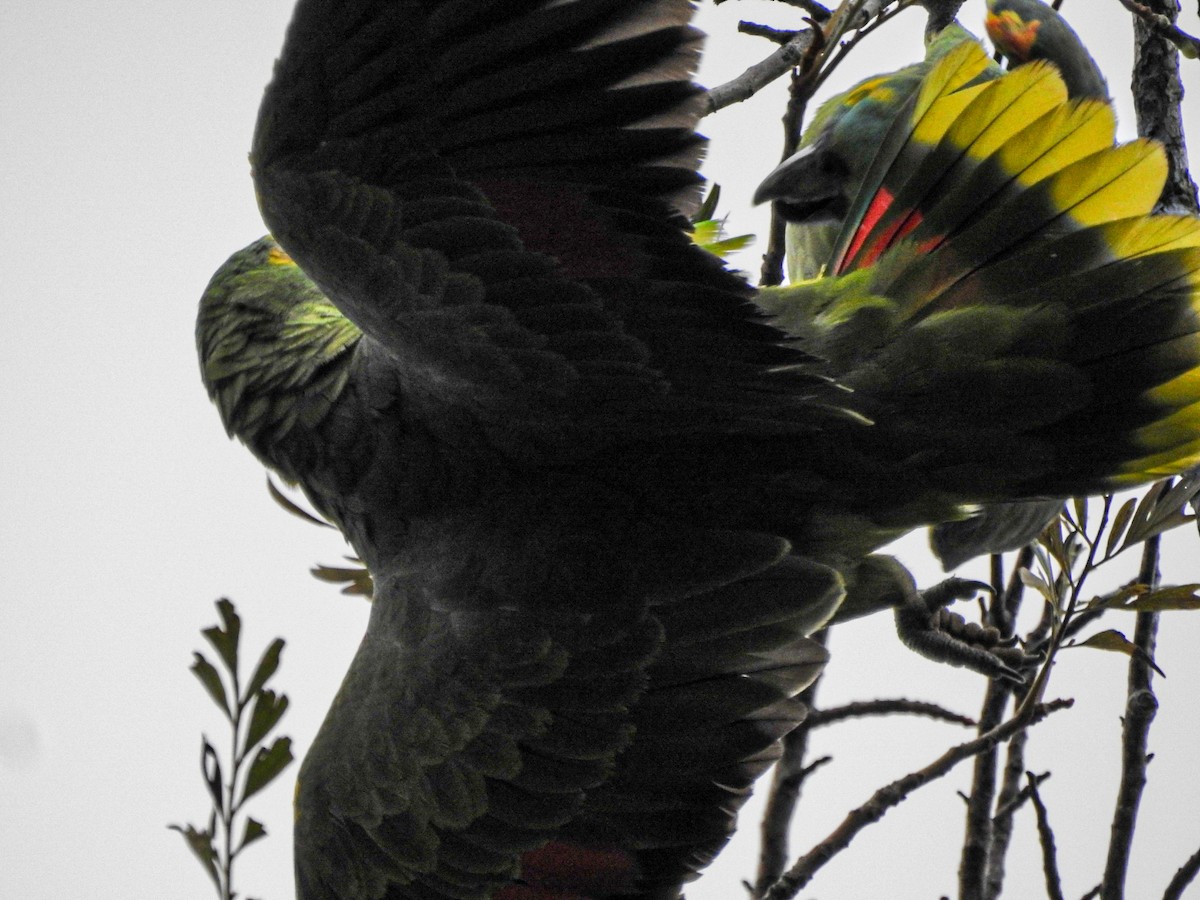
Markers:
point(926, 627)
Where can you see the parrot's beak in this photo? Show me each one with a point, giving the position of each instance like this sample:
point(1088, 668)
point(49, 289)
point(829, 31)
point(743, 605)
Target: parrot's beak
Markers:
point(807, 187)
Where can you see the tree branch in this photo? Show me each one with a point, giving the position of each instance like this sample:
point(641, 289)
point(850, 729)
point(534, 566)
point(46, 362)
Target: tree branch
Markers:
point(1164, 26)
point(1046, 839)
point(893, 794)
point(1157, 94)
point(759, 75)
point(821, 717)
point(1139, 713)
point(1183, 877)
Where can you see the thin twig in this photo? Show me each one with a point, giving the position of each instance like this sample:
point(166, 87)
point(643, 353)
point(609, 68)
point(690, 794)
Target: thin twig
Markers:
point(1164, 27)
point(893, 794)
point(975, 866)
point(814, 9)
point(862, 708)
point(1046, 839)
point(1185, 876)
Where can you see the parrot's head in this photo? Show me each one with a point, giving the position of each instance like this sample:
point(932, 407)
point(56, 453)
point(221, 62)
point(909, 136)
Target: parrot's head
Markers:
point(273, 350)
point(1025, 30)
point(815, 185)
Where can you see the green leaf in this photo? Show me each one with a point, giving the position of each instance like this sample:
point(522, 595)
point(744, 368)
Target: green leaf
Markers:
point(267, 765)
point(225, 641)
point(357, 580)
point(709, 207)
point(1116, 600)
point(1119, 523)
point(268, 710)
point(254, 831)
point(1182, 597)
point(1159, 510)
point(265, 669)
point(1081, 513)
point(210, 768)
point(1038, 584)
point(1115, 642)
point(278, 496)
point(211, 679)
point(1162, 509)
point(1052, 539)
point(201, 844)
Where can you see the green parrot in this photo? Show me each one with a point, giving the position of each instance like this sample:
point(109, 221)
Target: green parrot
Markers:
point(1025, 30)
point(813, 189)
point(604, 488)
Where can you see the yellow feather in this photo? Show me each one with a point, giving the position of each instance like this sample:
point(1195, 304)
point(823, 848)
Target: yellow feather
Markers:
point(937, 120)
point(1141, 236)
point(1171, 433)
point(1063, 136)
point(1181, 390)
point(1112, 184)
point(1005, 107)
point(956, 69)
point(1172, 461)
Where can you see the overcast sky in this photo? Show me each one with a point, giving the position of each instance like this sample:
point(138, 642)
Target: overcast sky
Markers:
point(124, 128)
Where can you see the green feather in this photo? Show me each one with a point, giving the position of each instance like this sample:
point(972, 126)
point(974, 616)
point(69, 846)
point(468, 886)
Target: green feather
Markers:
point(274, 352)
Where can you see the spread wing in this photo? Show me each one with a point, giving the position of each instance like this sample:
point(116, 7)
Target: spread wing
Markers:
point(495, 192)
point(563, 743)
point(1006, 305)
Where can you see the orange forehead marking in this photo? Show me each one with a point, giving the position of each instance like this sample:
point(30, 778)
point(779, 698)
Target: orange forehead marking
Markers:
point(277, 256)
point(1012, 34)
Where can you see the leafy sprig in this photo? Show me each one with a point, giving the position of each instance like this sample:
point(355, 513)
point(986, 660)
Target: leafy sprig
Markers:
point(252, 713)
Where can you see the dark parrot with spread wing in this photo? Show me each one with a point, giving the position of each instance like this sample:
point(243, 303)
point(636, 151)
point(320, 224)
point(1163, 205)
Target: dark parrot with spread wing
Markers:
point(604, 487)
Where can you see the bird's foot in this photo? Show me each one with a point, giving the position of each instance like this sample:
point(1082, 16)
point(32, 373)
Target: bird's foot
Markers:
point(928, 627)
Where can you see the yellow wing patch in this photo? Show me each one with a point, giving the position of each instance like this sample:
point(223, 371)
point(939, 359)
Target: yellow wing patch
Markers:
point(1004, 108)
point(1113, 183)
point(878, 89)
point(1057, 139)
point(960, 66)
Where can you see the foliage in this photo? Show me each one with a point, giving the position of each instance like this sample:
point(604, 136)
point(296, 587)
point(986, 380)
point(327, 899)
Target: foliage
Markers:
point(252, 713)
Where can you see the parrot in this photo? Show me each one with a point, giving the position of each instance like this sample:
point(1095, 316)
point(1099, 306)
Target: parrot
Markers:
point(605, 489)
point(833, 157)
point(1025, 30)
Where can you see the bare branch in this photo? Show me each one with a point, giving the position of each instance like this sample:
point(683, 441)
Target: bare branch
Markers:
point(1185, 876)
point(1046, 839)
point(893, 794)
point(1140, 708)
point(981, 861)
point(1012, 796)
point(1164, 26)
point(977, 838)
point(817, 718)
point(759, 75)
point(1157, 94)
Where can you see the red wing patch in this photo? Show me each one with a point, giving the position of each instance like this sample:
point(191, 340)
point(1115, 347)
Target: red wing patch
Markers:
point(872, 246)
point(563, 871)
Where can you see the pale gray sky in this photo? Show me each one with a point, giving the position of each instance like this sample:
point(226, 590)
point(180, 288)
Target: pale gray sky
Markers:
point(124, 128)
